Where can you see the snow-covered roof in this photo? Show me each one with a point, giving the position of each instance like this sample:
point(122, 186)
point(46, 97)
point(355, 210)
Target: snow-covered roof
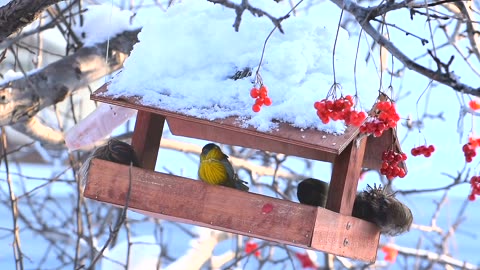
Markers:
point(187, 55)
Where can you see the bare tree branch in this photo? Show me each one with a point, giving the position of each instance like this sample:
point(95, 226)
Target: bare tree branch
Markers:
point(443, 259)
point(245, 5)
point(37, 130)
point(18, 13)
point(23, 98)
point(364, 15)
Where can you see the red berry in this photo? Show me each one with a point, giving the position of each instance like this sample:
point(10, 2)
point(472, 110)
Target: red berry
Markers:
point(254, 92)
point(377, 133)
point(329, 105)
point(267, 101)
point(396, 117)
point(263, 89)
point(384, 165)
point(256, 107)
point(471, 197)
point(349, 98)
point(259, 101)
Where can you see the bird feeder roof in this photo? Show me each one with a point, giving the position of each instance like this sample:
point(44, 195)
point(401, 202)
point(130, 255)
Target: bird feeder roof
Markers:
point(307, 143)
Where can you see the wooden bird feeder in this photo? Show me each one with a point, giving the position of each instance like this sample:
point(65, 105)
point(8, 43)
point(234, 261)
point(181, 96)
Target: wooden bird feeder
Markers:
point(331, 229)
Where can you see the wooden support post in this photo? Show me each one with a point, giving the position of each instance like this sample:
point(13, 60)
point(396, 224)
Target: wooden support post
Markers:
point(146, 138)
point(345, 175)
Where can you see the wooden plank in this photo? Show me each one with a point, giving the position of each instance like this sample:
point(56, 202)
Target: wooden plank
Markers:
point(376, 146)
point(194, 129)
point(146, 138)
point(180, 199)
point(344, 180)
point(345, 236)
point(285, 134)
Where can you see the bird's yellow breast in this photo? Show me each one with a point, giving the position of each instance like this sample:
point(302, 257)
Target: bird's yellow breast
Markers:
point(213, 172)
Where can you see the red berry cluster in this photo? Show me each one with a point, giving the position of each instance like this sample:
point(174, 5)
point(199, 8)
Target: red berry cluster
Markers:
point(390, 168)
point(252, 248)
point(469, 149)
point(261, 98)
point(386, 117)
point(469, 152)
point(339, 109)
point(424, 150)
point(475, 183)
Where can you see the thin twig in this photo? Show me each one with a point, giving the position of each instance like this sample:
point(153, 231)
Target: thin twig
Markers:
point(17, 250)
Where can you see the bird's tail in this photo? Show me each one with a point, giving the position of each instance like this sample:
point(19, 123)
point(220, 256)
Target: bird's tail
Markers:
point(240, 184)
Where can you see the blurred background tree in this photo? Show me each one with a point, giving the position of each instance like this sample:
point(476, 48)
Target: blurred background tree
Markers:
point(46, 224)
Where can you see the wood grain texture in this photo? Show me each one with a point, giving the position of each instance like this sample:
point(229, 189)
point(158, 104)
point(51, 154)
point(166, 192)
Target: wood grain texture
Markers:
point(345, 236)
point(249, 138)
point(185, 200)
point(376, 146)
point(345, 175)
point(146, 138)
point(180, 199)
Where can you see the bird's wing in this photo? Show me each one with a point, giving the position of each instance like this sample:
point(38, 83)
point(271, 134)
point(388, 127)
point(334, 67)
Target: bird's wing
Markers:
point(228, 167)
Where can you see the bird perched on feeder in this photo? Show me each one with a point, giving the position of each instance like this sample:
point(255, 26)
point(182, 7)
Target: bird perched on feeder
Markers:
point(216, 169)
point(380, 207)
point(375, 205)
point(114, 151)
point(312, 192)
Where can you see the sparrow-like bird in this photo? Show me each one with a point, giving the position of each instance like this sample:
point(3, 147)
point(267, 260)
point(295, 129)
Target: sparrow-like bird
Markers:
point(374, 204)
point(114, 151)
point(380, 207)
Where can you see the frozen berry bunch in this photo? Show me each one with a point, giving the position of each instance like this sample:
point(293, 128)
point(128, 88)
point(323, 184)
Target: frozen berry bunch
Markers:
point(385, 117)
point(424, 150)
point(339, 109)
point(261, 98)
point(390, 162)
point(475, 184)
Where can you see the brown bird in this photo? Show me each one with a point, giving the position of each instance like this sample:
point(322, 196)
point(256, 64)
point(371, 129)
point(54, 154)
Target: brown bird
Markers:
point(380, 207)
point(312, 192)
point(375, 205)
point(114, 151)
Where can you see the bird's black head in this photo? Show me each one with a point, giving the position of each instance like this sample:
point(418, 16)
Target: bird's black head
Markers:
point(208, 147)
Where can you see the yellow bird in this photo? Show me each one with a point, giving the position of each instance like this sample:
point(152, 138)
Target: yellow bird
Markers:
point(215, 168)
